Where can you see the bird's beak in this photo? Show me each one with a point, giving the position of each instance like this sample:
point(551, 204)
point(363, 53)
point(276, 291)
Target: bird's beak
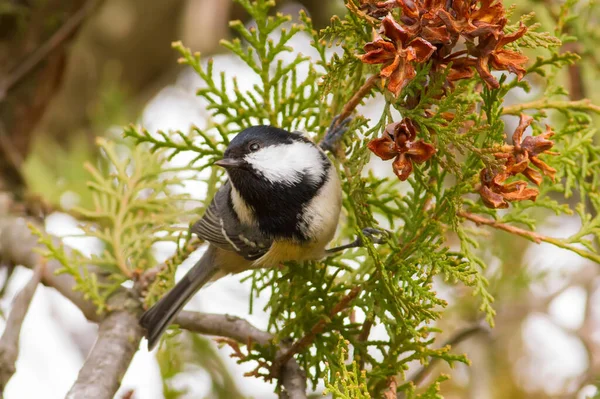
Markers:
point(229, 163)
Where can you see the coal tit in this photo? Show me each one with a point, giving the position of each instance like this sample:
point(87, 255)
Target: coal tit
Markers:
point(282, 202)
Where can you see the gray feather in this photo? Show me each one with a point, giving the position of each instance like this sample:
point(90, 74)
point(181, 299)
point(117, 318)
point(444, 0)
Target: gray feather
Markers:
point(221, 227)
point(156, 319)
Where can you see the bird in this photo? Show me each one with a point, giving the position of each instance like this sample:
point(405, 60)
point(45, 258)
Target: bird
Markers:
point(281, 202)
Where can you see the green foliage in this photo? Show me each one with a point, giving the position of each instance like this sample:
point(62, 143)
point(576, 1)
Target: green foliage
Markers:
point(390, 286)
point(282, 98)
point(134, 207)
point(345, 383)
point(432, 392)
point(533, 39)
point(208, 150)
point(86, 278)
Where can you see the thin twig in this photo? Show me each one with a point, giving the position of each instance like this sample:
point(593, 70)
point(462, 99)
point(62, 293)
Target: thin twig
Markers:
point(458, 337)
point(530, 235)
point(361, 93)
point(9, 343)
point(341, 118)
point(318, 328)
point(292, 377)
point(39, 54)
point(363, 337)
point(580, 105)
point(391, 390)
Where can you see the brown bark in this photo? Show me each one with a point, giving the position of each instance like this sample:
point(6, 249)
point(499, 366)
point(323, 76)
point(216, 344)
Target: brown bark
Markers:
point(119, 336)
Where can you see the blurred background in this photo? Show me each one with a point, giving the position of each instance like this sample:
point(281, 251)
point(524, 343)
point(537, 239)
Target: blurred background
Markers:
point(73, 70)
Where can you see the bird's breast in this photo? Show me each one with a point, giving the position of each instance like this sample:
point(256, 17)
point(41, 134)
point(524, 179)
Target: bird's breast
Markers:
point(322, 214)
point(284, 251)
point(319, 223)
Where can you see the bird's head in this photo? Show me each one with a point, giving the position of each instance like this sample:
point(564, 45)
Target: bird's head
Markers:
point(264, 156)
point(278, 183)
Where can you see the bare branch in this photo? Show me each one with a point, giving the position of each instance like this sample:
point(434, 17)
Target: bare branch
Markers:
point(292, 377)
point(293, 380)
point(9, 343)
point(119, 337)
point(224, 326)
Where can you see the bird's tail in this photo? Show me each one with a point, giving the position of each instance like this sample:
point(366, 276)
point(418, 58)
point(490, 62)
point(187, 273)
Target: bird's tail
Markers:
point(156, 319)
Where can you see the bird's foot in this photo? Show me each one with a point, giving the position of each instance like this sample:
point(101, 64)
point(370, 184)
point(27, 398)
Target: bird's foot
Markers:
point(377, 236)
point(334, 134)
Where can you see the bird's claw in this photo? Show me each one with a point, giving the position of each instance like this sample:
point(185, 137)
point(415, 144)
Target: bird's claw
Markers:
point(377, 236)
point(334, 133)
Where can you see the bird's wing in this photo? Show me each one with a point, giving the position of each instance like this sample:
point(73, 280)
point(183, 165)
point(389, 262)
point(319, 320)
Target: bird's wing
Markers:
point(220, 227)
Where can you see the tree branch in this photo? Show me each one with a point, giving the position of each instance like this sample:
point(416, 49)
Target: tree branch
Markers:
point(530, 235)
point(224, 326)
point(9, 343)
point(457, 338)
point(18, 245)
point(312, 334)
point(580, 105)
point(360, 94)
point(118, 339)
point(292, 377)
point(119, 332)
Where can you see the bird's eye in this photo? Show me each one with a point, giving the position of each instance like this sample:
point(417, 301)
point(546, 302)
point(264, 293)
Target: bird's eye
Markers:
point(254, 146)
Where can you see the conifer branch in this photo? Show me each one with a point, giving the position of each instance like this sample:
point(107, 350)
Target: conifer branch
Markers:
point(19, 246)
point(292, 377)
point(310, 336)
point(544, 103)
point(447, 140)
point(530, 235)
point(458, 337)
point(358, 96)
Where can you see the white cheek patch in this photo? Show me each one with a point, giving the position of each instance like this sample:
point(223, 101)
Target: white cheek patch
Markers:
point(287, 163)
